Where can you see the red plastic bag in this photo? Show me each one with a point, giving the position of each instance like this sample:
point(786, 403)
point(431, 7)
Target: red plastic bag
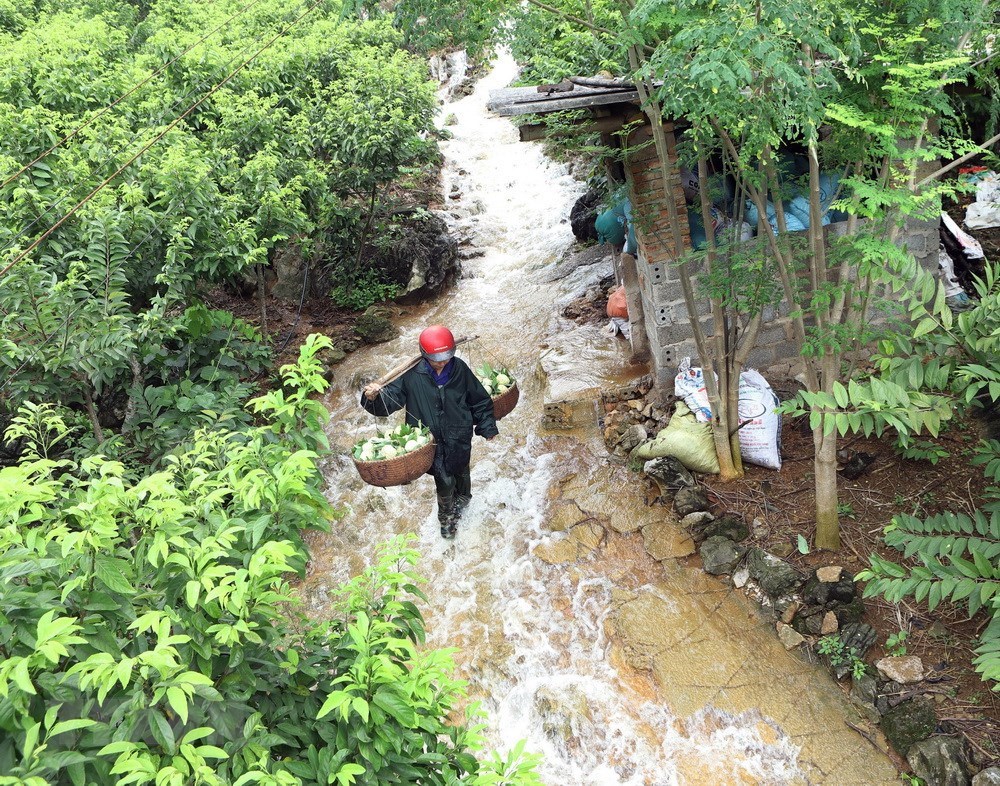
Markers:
point(617, 307)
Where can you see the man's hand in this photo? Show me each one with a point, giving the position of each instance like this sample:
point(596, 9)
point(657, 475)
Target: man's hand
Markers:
point(372, 391)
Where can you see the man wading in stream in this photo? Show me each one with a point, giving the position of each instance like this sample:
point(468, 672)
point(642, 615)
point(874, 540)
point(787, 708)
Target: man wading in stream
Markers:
point(442, 393)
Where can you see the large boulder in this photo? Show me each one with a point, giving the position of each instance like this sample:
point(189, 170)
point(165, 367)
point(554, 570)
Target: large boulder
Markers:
point(940, 761)
point(421, 258)
point(774, 576)
point(909, 722)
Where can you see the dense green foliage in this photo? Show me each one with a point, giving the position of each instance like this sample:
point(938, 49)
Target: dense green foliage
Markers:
point(826, 106)
point(293, 152)
point(951, 556)
point(148, 632)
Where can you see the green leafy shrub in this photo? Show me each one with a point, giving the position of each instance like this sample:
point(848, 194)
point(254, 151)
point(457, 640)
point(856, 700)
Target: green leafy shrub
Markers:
point(149, 634)
point(841, 655)
point(959, 561)
point(296, 149)
point(363, 291)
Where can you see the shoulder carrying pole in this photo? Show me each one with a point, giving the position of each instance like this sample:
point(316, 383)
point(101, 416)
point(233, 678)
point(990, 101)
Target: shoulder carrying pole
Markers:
point(406, 365)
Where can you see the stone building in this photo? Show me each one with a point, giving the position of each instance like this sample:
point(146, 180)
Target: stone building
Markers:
point(614, 106)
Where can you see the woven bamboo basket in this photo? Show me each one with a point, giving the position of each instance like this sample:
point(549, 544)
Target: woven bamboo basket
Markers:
point(397, 471)
point(504, 404)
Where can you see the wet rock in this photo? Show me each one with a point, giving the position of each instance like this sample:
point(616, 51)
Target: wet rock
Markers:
point(904, 669)
point(664, 540)
point(624, 521)
point(990, 777)
point(719, 555)
point(636, 389)
point(590, 535)
point(374, 328)
point(864, 694)
point(695, 521)
point(690, 500)
point(630, 439)
point(334, 355)
point(909, 722)
point(940, 761)
point(852, 612)
point(789, 637)
point(583, 215)
point(669, 475)
point(822, 593)
point(774, 576)
point(557, 552)
point(562, 711)
point(564, 415)
point(727, 526)
point(565, 515)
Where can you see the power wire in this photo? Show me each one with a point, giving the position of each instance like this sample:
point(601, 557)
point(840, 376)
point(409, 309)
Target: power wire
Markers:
point(155, 139)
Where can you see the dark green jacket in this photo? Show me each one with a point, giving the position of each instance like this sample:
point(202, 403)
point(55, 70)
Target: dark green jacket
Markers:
point(452, 412)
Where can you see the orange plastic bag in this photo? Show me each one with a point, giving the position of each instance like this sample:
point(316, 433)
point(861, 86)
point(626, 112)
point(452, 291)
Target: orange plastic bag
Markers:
point(617, 307)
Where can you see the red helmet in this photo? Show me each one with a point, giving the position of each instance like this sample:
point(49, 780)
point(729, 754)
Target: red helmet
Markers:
point(437, 343)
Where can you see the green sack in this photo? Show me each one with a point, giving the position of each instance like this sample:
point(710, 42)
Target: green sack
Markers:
point(687, 440)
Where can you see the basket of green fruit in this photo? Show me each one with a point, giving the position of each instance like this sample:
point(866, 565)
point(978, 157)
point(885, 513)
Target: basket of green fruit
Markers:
point(395, 457)
point(501, 386)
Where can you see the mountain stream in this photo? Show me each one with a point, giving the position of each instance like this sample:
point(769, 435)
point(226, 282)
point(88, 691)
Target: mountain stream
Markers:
point(617, 667)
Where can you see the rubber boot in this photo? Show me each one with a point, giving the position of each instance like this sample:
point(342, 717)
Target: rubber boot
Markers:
point(446, 515)
point(461, 503)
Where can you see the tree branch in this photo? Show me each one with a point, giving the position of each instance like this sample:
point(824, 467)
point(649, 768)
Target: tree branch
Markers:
point(570, 18)
point(958, 161)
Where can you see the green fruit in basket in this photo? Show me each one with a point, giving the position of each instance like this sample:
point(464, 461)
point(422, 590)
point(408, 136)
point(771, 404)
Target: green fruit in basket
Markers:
point(396, 442)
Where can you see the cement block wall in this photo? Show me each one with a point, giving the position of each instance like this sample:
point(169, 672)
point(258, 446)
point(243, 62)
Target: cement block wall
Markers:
point(665, 313)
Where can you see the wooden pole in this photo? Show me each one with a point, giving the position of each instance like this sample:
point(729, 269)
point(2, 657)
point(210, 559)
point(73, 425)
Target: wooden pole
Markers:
point(406, 365)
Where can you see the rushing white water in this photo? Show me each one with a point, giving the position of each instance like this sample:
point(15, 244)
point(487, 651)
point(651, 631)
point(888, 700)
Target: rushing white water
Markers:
point(531, 636)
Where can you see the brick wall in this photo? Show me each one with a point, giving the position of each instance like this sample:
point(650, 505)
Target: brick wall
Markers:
point(667, 324)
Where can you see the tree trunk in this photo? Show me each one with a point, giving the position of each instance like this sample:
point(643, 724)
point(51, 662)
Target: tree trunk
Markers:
point(720, 434)
point(95, 422)
point(825, 468)
point(825, 465)
point(262, 298)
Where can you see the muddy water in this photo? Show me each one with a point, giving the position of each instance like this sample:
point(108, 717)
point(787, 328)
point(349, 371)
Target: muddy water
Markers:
point(618, 667)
